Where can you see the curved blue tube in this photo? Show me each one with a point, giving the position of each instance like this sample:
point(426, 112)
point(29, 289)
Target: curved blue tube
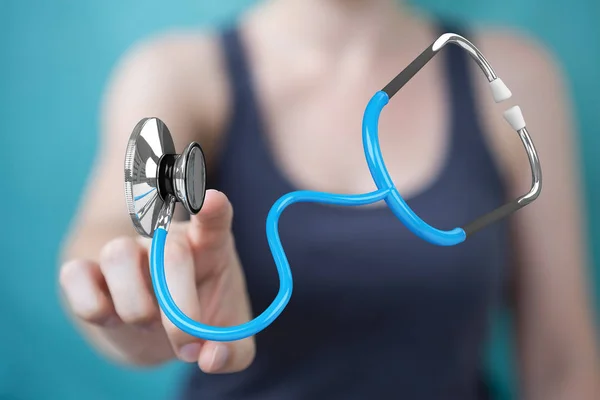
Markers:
point(386, 191)
point(227, 334)
point(383, 180)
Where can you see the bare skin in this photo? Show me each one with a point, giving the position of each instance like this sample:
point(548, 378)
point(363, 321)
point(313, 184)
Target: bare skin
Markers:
point(308, 56)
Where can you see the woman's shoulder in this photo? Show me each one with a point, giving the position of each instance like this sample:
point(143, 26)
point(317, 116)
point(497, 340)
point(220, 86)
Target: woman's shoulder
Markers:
point(185, 68)
point(179, 50)
point(517, 53)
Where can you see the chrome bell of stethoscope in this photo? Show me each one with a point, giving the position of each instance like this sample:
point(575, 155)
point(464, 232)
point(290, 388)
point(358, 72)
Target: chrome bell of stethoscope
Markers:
point(156, 177)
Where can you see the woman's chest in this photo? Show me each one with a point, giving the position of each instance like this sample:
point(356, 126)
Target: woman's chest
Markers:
point(313, 136)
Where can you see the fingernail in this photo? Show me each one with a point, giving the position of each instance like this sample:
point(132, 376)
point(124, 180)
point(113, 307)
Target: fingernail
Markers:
point(190, 352)
point(218, 357)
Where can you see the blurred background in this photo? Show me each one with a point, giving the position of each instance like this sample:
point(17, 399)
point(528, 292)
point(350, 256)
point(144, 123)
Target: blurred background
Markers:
point(55, 58)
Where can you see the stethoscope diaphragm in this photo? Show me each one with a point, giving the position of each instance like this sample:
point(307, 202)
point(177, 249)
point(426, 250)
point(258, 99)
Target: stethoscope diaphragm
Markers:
point(155, 174)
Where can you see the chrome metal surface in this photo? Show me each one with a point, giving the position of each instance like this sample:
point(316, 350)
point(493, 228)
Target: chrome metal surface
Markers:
point(484, 65)
point(534, 162)
point(470, 48)
point(149, 141)
point(189, 178)
point(179, 179)
point(165, 216)
point(195, 178)
point(536, 169)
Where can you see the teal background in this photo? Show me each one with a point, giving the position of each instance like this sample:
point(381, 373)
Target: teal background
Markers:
point(55, 58)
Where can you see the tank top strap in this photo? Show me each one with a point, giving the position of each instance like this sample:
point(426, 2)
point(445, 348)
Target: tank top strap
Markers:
point(459, 73)
point(243, 128)
point(244, 113)
point(237, 66)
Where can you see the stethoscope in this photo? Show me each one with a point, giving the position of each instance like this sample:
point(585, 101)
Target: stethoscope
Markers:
point(156, 178)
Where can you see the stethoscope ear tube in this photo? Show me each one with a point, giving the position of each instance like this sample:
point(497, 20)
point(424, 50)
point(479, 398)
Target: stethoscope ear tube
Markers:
point(513, 116)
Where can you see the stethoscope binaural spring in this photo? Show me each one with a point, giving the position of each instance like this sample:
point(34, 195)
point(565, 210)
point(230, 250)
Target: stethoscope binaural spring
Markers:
point(156, 178)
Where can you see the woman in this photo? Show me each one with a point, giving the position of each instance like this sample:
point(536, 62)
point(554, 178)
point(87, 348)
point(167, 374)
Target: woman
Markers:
point(277, 102)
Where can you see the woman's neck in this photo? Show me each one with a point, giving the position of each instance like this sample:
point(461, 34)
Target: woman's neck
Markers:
point(333, 25)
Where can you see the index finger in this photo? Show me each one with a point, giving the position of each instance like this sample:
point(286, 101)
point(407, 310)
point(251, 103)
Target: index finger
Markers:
point(181, 282)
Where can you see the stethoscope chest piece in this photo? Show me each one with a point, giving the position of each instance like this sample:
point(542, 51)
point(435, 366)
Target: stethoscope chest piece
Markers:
point(156, 177)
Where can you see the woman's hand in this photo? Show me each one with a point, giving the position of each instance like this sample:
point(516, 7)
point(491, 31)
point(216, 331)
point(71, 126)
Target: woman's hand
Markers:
point(114, 301)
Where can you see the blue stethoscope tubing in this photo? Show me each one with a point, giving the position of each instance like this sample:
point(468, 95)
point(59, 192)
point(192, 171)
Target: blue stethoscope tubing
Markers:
point(386, 190)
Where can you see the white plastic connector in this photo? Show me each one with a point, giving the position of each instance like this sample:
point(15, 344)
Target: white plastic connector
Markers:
point(500, 91)
point(515, 118)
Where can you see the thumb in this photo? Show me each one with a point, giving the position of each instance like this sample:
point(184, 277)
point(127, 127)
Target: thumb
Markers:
point(211, 227)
